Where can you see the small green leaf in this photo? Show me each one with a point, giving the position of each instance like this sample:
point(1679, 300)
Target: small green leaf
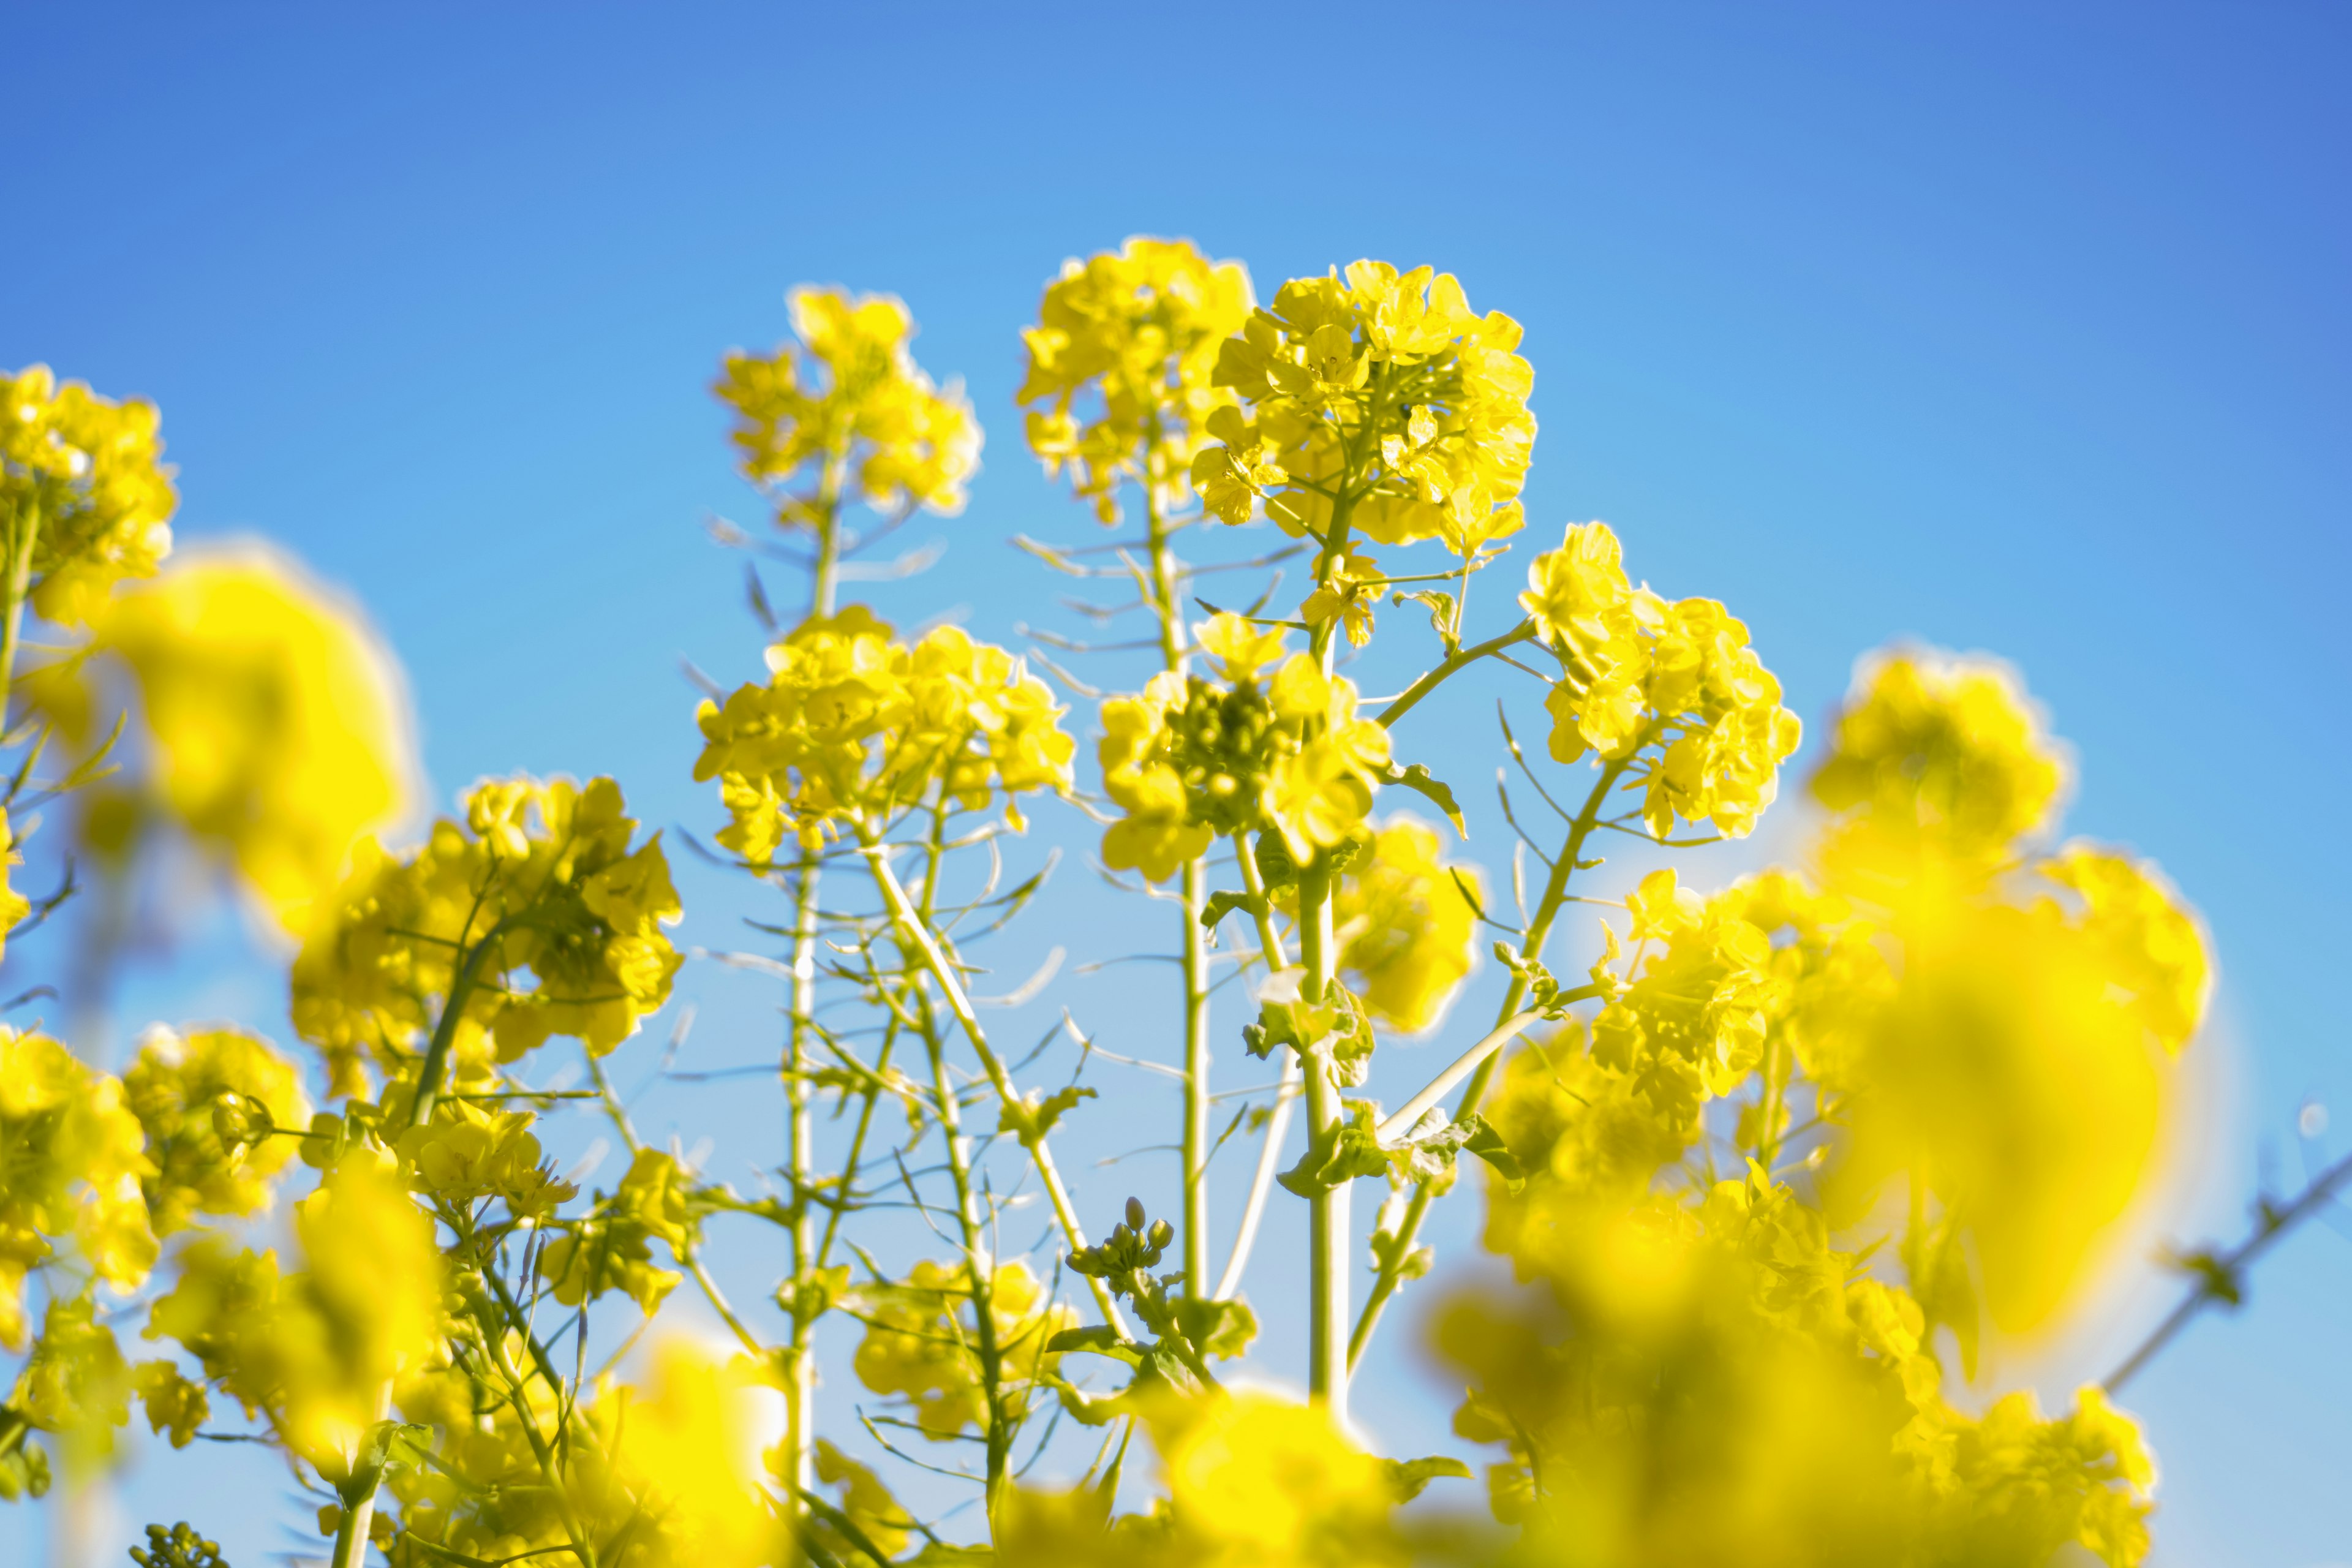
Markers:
point(1220, 905)
point(1095, 1339)
point(1488, 1145)
point(1032, 1120)
point(1417, 779)
point(1407, 1478)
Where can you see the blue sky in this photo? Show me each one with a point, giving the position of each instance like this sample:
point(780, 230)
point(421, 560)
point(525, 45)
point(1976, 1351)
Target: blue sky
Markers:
point(2013, 328)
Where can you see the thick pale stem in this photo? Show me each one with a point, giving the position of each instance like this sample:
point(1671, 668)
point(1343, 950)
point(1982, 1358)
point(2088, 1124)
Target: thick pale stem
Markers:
point(800, 1393)
point(21, 540)
point(918, 934)
point(1328, 1219)
point(1196, 1082)
point(1269, 1160)
point(1269, 1157)
point(1531, 947)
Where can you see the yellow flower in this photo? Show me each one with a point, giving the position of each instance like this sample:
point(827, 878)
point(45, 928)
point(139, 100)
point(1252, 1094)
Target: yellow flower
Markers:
point(545, 883)
point(853, 722)
point(75, 1158)
point(1406, 928)
point(1242, 648)
point(688, 1461)
point(920, 1337)
point(1128, 339)
point(280, 728)
point(1940, 756)
point(179, 1088)
point(1385, 386)
point(1254, 1479)
point(80, 481)
point(851, 396)
point(1672, 688)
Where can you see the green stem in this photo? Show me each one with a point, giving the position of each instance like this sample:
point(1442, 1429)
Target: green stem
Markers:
point(924, 948)
point(1461, 658)
point(445, 1032)
point(1327, 1211)
point(1270, 955)
point(1174, 656)
point(1532, 946)
point(800, 1130)
point(22, 539)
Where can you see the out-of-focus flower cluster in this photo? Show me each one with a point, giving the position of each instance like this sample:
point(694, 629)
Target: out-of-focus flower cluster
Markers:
point(854, 726)
point(274, 728)
point(1140, 329)
point(82, 485)
point(848, 404)
point(538, 878)
point(1192, 758)
point(75, 1155)
point(924, 1342)
point(1378, 397)
point(1672, 684)
point(1751, 1366)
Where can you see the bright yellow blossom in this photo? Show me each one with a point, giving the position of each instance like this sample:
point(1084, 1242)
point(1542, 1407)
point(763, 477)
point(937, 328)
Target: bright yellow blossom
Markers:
point(852, 722)
point(280, 730)
point(541, 880)
point(74, 1156)
point(850, 397)
point(1670, 690)
point(182, 1089)
point(1406, 927)
point(82, 489)
point(1439, 392)
point(1120, 360)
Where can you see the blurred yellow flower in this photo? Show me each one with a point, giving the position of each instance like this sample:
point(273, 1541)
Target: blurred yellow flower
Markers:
point(83, 492)
point(279, 725)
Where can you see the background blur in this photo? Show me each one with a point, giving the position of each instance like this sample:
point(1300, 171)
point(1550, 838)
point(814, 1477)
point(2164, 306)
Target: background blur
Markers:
point(2016, 328)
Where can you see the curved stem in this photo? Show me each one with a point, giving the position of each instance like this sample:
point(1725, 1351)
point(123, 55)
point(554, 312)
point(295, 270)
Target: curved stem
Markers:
point(2219, 1276)
point(1460, 659)
point(1532, 946)
point(1269, 1158)
point(918, 934)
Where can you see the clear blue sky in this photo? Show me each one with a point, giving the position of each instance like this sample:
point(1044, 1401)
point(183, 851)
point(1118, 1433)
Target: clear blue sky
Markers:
point(2014, 328)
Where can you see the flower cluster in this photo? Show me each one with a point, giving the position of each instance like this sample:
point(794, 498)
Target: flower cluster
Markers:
point(1140, 329)
point(1406, 924)
point(82, 489)
point(853, 726)
point(923, 1345)
point(1712, 1380)
point(850, 401)
point(540, 877)
point(312, 1351)
point(1938, 757)
point(277, 727)
point(1641, 675)
point(662, 1474)
point(1378, 399)
point(1190, 758)
point(75, 1157)
point(211, 1103)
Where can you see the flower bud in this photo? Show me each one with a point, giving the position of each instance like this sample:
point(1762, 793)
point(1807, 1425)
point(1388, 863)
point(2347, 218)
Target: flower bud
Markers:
point(239, 1120)
point(1162, 1233)
point(1134, 1214)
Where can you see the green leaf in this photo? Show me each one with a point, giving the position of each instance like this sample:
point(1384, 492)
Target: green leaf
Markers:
point(1488, 1145)
point(1097, 1338)
point(1220, 905)
point(1408, 1476)
point(1346, 1150)
point(1417, 779)
point(1219, 1328)
point(1030, 1121)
